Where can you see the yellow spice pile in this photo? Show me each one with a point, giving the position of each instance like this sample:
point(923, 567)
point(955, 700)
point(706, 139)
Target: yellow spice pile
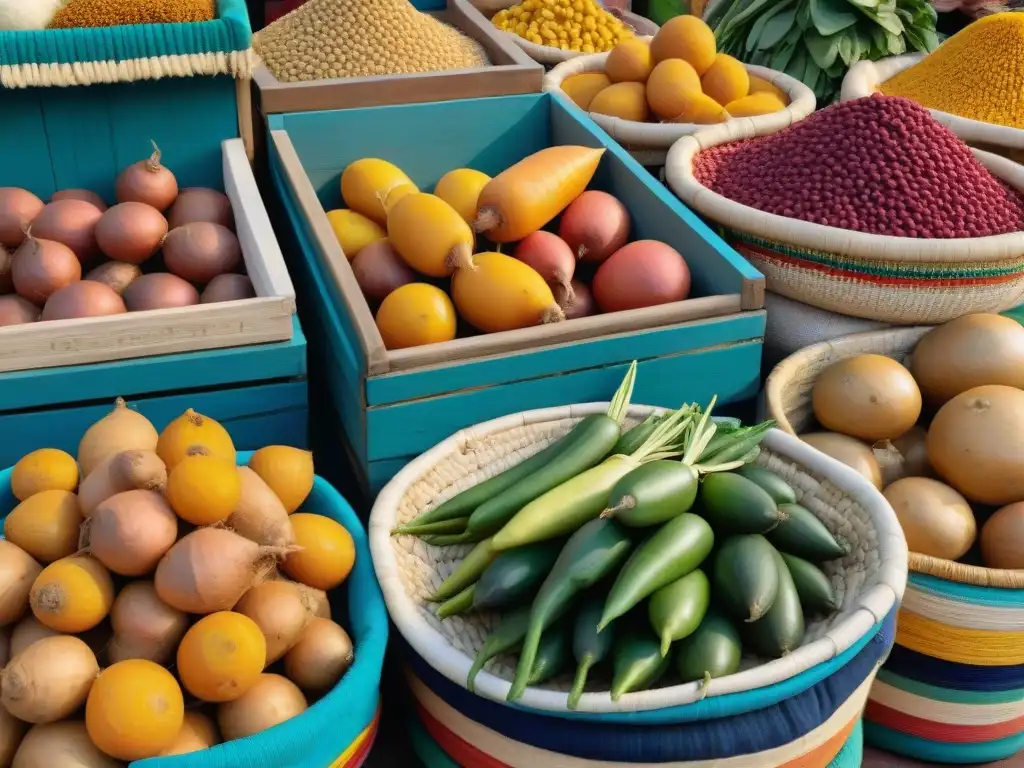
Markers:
point(978, 73)
point(112, 13)
point(357, 38)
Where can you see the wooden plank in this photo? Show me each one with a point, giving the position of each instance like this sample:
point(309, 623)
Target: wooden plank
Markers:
point(731, 371)
point(24, 149)
point(594, 353)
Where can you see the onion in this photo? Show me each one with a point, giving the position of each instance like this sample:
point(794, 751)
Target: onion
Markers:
point(147, 181)
point(12, 730)
point(80, 194)
point(131, 531)
point(145, 627)
point(124, 471)
point(644, 273)
point(936, 520)
point(160, 290)
point(1002, 538)
point(18, 209)
point(201, 204)
point(198, 732)
point(27, 631)
point(278, 610)
point(853, 453)
point(82, 299)
point(5, 649)
point(42, 267)
point(577, 302)
point(321, 657)
point(61, 744)
point(595, 225)
point(316, 601)
point(15, 310)
point(260, 516)
point(228, 288)
point(49, 680)
point(72, 222)
point(210, 569)
point(17, 572)
point(379, 270)
point(200, 251)
point(6, 280)
point(550, 257)
point(131, 232)
point(122, 429)
point(270, 702)
point(117, 275)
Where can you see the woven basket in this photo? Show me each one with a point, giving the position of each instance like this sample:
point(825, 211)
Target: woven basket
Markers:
point(339, 729)
point(549, 56)
point(953, 689)
point(868, 581)
point(865, 77)
point(660, 136)
point(898, 280)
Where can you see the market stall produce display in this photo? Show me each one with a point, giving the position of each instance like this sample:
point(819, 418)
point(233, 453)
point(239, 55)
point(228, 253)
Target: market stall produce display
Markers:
point(200, 586)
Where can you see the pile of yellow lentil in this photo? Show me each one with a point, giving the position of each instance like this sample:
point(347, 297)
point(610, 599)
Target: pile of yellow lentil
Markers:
point(571, 25)
point(112, 13)
point(978, 73)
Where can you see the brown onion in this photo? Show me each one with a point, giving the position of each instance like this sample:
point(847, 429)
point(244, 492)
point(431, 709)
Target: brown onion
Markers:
point(579, 303)
point(83, 299)
point(200, 251)
point(228, 288)
point(80, 194)
point(18, 209)
point(379, 270)
point(147, 181)
point(42, 267)
point(15, 310)
point(116, 274)
point(131, 232)
point(159, 290)
point(6, 281)
point(72, 222)
point(201, 204)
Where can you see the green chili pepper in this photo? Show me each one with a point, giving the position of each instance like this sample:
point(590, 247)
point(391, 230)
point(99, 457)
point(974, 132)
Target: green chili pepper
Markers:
point(552, 653)
point(514, 576)
point(638, 663)
point(590, 645)
point(456, 525)
point(507, 636)
point(461, 603)
point(677, 609)
point(466, 572)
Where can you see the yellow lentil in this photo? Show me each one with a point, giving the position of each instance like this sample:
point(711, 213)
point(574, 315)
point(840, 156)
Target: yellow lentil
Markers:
point(358, 38)
point(978, 73)
point(570, 25)
point(112, 13)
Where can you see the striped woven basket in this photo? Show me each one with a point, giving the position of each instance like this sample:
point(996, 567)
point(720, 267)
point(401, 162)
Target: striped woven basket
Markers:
point(952, 690)
point(87, 56)
point(338, 730)
point(868, 582)
point(898, 280)
point(654, 139)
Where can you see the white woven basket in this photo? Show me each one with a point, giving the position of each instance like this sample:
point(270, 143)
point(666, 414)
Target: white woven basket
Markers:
point(661, 136)
point(865, 77)
point(546, 54)
point(868, 582)
point(877, 277)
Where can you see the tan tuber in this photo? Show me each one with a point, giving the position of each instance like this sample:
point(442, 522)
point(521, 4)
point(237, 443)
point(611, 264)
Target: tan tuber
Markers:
point(321, 657)
point(278, 610)
point(131, 531)
point(270, 702)
point(120, 430)
point(49, 680)
point(260, 516)
point(124, 471)
point(18, 570)
point(145, 627)
point(61, 744)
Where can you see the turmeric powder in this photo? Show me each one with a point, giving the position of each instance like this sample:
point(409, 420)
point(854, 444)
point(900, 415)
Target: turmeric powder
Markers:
point(978, 73)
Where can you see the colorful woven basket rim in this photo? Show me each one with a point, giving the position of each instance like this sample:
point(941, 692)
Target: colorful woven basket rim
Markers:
point(958, 676)
point(87, 56)
point(939, 752)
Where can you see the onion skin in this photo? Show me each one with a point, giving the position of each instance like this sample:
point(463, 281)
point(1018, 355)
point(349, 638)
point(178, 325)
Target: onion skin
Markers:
point(200, 251)
point(15, 310)
point(321, 657)
point(201, 204)
point(6, 280)
point(595, 225)
point(12, 730)
point(27, 631)
point(131, 470)
point(145, 627)
point(49, 680)
point(1002, 538)
point(72, 222)
point(579, 302)
point(549, 256)
point(278, 610)
point(131, 232)
point(850, 451)
point(260, 516)
point(270, 702)
point(118, 275)
point(45, 746)
point(130, 532)
point(42, 267)
point(18, 209)
point(147, 181)
point(18, 570)
point(80, 194)
point(82, 299)
point(644, 273)
point(379, 270)
point(228, 288)
point(160, 290)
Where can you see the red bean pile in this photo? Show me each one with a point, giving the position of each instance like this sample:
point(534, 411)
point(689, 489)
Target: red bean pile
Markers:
point(880, 165)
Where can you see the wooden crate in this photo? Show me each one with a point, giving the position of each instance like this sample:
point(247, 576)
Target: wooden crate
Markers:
point(395, 404)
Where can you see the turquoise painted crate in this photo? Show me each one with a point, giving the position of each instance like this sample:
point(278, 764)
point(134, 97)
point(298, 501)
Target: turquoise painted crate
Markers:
point(393, 405)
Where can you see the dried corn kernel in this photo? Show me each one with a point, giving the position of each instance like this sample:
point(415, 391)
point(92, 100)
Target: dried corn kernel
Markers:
point(576, 25)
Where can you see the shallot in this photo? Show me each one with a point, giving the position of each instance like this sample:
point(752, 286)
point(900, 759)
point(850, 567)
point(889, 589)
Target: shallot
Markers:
point(201, 250)
point(201, 204)
point(159, 290)
point(18, 208)
point(72, 222)
point(15, 310)
point(80, 194)
point(642, 274)
point(379, 270)
point(147, 181)
point(131, 531)
point(82, 299)
point(577, 301)
point(595, 226)
point(550, 257)
point(131, 232)
point(229, 287)
point(42, 267)
point(117, 275)
point(145, 627)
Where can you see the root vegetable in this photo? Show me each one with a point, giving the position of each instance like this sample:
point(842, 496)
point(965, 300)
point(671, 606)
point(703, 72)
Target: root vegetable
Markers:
point(49, 680)
point(80, 194)
point(461, 190)
point(550, 257)
point(906, 456)
point(197, 733)
point(147, 181)
point(28, 631)
point(18, 208)
point(135, 710)
point(221, 656)
point(116, 275)
point(131, 531)
point(430, 235)
point(259, 514)
point(72, 222)
point(42, 267)
point(15, 310)
point(210, 569)
point(372, 187)
point(145, 627)
point(46, 525)
point(160, 290)
point(379, 270)
point(227, 288)
point(1002, 538)
point(288, 471)
point(72, 595)
point(644, 273)
point(120, 430)
point(124, 471)
point(320, 658)
point(936, 520)
point(46, 469)
point(193, 429)
point(849, 451)
point(503, 294)
point(65, 744)
point(18, 570)
point(201, 204)
point(315, 601)
point(204, 489)
point(327, 552)
point(82, 299)
point(200, 251)
point(5, 650)
point(12, 731)
point(595, 225)
point(278, 610)
point(131, 232)
point(273, 700)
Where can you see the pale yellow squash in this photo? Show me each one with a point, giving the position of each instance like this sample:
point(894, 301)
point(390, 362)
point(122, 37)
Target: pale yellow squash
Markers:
point(430, 235)
point(502, 293)
point(461, 190)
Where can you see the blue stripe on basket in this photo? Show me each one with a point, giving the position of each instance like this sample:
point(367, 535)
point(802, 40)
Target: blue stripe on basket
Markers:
point(852, 753)
point(742, 734)
point(1012, 598)
point(940, 752)
point(947, 674)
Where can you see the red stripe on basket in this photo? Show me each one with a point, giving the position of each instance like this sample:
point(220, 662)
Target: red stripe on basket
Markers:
point(775, 256)
point(941, 732)
point(822, 756)
point(459, 750)
point(364, 751)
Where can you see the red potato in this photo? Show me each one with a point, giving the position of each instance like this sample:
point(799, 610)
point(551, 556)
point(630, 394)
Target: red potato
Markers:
point(43, 267)
point(200, 251)
point(15, 310)
point(201, 204)
point(83, 299)
point(550, 257)
point(147, 181)
point(228, 288)
point(131, 232)
point(579, 303)
point(159, 290)
point(642, 274)
point(18, 209)
point(595, 225)
point(379, 270)
point(80, 194)
point(72, 222)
